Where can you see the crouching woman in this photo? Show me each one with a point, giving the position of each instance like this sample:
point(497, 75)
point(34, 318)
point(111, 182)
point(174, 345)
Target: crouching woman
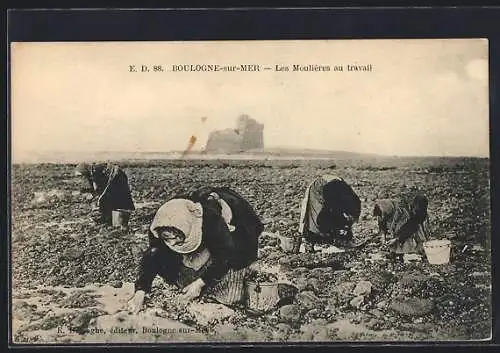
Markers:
point(405, 220)
point(109, 184)
point(329, 209)
point(195, 245)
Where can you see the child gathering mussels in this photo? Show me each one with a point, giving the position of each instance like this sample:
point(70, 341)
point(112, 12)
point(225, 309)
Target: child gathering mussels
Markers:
point(214, 255)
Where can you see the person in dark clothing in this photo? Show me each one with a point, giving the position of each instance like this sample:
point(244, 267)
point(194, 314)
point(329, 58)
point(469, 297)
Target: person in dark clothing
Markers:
point(203, 243)
point(109, 184)
point(405, 219)
point(329, 210)
point(240, 216)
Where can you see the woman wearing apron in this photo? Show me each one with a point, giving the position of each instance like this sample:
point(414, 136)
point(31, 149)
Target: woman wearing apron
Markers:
point(329, 209)
point(405, 220)
point(200, 243)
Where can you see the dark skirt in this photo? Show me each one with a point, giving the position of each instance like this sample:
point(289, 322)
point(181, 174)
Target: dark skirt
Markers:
point(327, 200)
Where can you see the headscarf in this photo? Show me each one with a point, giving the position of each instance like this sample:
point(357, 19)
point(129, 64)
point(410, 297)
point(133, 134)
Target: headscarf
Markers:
point(185, 216)
point(384, 208)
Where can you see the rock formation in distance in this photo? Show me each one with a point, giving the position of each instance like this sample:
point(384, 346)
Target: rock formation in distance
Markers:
point(248, 134)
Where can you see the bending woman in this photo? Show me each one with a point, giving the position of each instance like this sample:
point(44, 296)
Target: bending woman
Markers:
point(405, 219)
point(109, 183)
point(329, 210)
point(203, 243)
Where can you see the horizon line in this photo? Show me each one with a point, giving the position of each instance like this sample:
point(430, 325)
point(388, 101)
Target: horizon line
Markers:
point(291, 152)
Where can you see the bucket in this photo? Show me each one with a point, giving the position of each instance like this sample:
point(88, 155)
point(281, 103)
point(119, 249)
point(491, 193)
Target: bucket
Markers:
point(438, 251)
point(120, 218)
point(262, 297)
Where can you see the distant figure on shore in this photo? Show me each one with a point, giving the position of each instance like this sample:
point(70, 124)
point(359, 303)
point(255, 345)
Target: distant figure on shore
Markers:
point(203, 243)
point(405, 219)
point(109, 183)
point(329, 209)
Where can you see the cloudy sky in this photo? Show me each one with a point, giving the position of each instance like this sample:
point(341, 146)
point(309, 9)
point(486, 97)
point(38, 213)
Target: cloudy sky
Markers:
point(423, 97)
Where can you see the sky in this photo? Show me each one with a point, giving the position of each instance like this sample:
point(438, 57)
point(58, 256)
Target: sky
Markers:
point(422, 97)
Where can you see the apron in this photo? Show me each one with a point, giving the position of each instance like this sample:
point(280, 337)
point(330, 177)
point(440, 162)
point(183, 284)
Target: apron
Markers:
point(312, 204)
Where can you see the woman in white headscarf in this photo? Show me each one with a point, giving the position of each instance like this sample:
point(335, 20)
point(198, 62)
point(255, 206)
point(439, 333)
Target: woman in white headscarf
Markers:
point(203, 243)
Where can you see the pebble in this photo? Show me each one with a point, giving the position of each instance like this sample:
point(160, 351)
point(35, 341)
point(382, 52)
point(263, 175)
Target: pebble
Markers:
point(357, 301)
point(373, 323)
point(376, 257)
point(314, 284)
point(116, 284)
point(81, 320)
point(362, 288)
point(290, 314)
point(480, 274)
point(407, 258)
point(282, 327)
point(314, 314)
point(478, 248)
point(376, 312)
point(412, 306)
point(21, 310)
point(340, 272)
point(319, 334)
point(308, 300)
point(208, 312)
point(302, 283)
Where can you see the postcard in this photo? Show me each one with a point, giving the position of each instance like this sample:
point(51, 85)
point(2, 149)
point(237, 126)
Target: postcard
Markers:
point(250, 191)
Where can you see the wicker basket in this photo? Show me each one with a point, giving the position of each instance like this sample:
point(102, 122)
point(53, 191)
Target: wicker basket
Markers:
point(230, 290)
point(262, 297)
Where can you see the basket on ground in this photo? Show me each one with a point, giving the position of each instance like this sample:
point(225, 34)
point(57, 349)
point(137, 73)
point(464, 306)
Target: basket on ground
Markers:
point(262, 297)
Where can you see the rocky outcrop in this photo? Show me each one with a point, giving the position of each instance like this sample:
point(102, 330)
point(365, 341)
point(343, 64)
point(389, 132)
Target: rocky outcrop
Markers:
point(248, 134)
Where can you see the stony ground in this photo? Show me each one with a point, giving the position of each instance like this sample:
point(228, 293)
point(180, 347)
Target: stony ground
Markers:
point(71, 278)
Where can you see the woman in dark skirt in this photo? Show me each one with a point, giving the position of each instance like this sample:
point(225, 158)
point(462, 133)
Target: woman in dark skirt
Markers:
point(405, 220)
point(203, 243)
point(109, 183)
point(329, 210)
